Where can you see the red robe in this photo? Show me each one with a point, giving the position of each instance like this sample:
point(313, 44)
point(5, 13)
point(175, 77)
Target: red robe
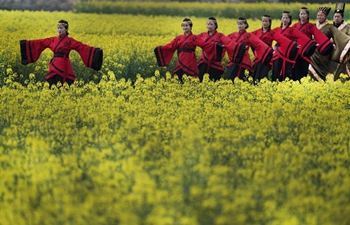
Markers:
point(262, 51)
point(185, 46)
point(307, 46)
point(60, 63)
point(266, 37)
point(286, 50)
point(284, 46)
point(325, 46)
point(213, 59)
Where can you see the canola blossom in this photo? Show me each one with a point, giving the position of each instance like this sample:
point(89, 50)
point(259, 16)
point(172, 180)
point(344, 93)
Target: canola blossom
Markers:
point(158, 152)
point(154, 151)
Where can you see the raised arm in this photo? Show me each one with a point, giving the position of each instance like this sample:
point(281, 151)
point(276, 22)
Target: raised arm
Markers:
point(91, 56)
point(31, 49)
point(165, 53)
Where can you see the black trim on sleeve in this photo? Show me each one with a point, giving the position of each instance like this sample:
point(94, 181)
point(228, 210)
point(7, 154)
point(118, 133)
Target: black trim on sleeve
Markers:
point(219, 50)
point(24, 59)
point(97, 59)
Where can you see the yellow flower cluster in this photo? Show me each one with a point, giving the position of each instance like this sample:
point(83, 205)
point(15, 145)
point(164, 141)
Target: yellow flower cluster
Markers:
point(155, 151)
point(158, 152)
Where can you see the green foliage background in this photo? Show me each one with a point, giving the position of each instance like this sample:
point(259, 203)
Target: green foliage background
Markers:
point(227, 10)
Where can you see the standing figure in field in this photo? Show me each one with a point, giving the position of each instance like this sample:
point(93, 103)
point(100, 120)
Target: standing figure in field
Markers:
point(320, 65)
point(261, 70)
point(284, 49)
point(263, 52)
point(324, 45)
point(185, 45)
point(283, 68)
point(338, 19)
point(60, 68)
point(210, 62)
point(338, 22)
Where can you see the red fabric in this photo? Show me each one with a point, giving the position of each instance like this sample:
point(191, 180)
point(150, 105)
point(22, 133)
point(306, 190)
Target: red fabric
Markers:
point(210, 57)
point(246, 63)
point(311, 31)
point(266, 37)
point(285, 49)
point(185, 45)
point(261, 50)
point(60, 63)
point(293, 34)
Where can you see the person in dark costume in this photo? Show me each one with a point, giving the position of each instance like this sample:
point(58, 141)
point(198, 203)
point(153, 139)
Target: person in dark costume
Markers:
point(320, 65)
point(338, 22)
point(60, 68)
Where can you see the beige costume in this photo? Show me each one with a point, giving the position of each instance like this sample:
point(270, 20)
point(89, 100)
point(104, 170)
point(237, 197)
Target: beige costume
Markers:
point(321, 65)
point(344, 27)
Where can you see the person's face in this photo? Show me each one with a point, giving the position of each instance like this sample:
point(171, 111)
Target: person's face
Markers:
point(241, 25)
point(186, 27)
point(337, 18)
point(321, 17)
point(265, 22)
point(211, 26)
point(61, 30)
point(285, 20)
point(303, 16)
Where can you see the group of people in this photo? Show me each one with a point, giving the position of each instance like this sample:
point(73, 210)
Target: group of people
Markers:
point(301, 49)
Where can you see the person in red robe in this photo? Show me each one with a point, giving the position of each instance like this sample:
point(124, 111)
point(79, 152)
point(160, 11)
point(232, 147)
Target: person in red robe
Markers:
point(324, 45)
point(60, 68)
point(185, 45)
point(210, 62)
point(263, 52)
point(264, 33)
point(283, 68)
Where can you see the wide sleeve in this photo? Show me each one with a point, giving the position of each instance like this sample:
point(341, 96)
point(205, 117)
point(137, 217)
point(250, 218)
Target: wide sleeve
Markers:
point(307, 45)
point(31, 49)
point(342, 46)
point(346, 30)
point(92, 57)
point(165, 53)
point(234, 50)
point(213, 50)
point(285, 48)
point(325, 46)
point(263, 53)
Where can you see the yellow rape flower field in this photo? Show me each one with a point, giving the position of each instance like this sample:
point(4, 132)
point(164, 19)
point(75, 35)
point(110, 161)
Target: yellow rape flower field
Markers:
point(155, 151)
